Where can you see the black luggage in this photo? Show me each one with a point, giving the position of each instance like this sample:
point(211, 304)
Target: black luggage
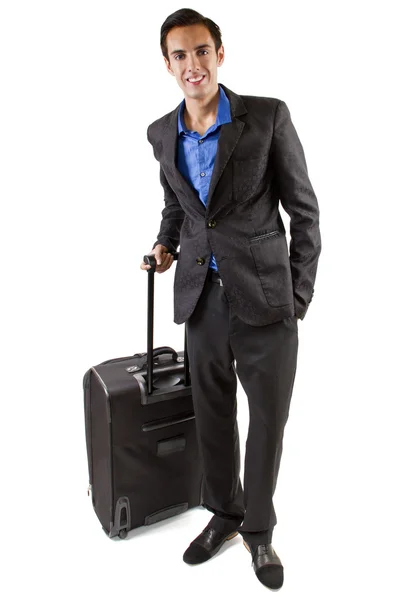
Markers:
point(141, 440)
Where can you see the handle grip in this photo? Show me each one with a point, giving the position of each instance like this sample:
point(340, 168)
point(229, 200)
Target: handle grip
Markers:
point(149, 259)
point(163, 350)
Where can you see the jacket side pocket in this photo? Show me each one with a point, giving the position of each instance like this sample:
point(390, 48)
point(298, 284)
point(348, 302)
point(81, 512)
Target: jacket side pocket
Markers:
point(271, 258)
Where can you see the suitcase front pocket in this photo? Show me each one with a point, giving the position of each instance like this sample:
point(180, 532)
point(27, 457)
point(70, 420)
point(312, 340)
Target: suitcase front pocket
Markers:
point(173, 444)
point(168, 421)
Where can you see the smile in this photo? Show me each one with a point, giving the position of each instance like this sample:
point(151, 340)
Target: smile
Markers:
point(196, 80)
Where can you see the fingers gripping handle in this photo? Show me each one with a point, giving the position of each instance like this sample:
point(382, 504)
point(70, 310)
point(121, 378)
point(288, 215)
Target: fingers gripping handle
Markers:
point(149, 259)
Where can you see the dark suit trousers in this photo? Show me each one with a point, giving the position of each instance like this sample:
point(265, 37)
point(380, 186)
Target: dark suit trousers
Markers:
point(266, 359)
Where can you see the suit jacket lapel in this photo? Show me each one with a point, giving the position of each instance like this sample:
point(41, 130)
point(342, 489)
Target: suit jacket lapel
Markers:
point(229, 137)
point(170, 147)
point(227, 141)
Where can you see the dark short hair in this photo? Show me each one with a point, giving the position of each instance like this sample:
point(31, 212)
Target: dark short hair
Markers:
point(184, 17)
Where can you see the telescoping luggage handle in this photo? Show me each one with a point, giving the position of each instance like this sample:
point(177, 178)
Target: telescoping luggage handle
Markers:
point(149, 259)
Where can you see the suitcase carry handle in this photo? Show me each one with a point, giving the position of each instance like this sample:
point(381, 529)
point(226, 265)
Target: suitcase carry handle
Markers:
point(164, 350)
point(149, 259)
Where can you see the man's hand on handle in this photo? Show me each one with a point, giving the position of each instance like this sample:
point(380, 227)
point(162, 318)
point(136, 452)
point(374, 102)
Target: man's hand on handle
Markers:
point(163, 258)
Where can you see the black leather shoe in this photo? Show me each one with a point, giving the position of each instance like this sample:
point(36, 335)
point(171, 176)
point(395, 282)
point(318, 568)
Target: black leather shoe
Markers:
point(206, 545)
point(266, 564)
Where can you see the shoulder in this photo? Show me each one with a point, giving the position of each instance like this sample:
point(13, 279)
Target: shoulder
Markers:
point(260, 101)
point(264, 106)
point(156, 127)
point(266, 112)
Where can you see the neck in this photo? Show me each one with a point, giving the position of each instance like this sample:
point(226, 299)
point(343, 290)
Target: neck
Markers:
point(203, 109)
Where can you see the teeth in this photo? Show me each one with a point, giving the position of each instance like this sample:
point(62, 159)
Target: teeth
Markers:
point(195, 79)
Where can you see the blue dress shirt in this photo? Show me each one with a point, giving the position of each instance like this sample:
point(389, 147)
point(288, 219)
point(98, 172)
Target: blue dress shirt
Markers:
point(196, 153)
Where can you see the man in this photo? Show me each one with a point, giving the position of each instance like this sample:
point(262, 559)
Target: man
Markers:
point(225, 162)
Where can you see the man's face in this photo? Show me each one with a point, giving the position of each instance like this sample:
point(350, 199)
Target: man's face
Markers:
point(192, 54)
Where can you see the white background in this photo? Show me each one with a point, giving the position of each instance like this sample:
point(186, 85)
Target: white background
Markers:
point(81, 203)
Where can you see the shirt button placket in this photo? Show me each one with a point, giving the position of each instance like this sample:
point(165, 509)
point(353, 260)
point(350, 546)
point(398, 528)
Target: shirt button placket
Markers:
point(202, 174)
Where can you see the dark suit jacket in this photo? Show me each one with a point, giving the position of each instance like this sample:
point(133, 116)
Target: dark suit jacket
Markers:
point(259, 161)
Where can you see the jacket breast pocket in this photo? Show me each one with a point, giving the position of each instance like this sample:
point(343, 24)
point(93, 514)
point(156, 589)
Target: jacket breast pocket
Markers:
point(247, 176)
point(271, 259)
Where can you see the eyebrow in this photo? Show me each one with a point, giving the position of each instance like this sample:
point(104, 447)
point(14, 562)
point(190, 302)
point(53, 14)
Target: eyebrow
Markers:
point(196, 48)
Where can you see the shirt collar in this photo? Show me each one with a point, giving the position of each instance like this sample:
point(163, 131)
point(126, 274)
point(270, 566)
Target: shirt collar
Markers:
point(223, 115)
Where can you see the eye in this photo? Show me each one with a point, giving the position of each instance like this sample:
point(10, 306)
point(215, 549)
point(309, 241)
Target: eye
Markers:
point(178, 55)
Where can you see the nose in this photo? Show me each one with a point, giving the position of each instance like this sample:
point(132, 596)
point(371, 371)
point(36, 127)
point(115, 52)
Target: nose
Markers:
point(193, 63)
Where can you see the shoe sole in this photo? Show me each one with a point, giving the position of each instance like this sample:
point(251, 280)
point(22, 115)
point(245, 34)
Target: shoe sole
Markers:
point(276, 574)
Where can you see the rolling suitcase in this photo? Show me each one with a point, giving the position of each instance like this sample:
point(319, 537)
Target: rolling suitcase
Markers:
point(141, 441)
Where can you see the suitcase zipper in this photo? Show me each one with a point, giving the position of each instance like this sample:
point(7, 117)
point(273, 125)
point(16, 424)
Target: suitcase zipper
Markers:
point(88, 420)
point(108, 410)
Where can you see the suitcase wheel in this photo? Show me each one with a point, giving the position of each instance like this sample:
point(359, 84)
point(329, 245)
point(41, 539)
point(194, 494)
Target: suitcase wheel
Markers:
point(122, 534)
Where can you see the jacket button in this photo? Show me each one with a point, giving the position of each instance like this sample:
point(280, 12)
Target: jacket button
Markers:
point(211, 224)
point(200, 260)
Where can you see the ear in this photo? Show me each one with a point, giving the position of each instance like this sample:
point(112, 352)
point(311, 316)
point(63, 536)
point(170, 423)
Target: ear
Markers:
point(167, 64)
point(220, 55)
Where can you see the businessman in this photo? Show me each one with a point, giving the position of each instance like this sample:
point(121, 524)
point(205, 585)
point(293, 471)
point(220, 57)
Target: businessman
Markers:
point(226, 160)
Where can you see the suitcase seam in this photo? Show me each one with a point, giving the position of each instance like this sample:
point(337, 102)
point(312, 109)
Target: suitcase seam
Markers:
point(111, 445)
